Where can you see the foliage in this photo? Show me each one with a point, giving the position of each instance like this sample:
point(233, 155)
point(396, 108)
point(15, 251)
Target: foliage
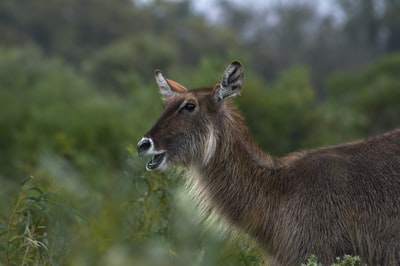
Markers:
point(372, 93)
point(113, 66)
point(348, 261)
point(23, 234)
point(29, 234)
point(312, 261)
point(288, 106)
point(345, 261)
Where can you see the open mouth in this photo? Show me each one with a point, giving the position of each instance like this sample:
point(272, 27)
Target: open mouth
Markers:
point(156, 162)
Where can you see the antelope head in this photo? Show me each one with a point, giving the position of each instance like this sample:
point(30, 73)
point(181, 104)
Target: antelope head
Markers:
point(187, 131)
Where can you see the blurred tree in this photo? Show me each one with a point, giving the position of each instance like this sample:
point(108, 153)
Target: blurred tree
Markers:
point(192, 33)
point(362, 22)
point(73, 29)
point(391, 24)
point(47, 106)
point(372, 24)
point(289, 33)
point(373, 93)
point(279, 115)
point(133, 58)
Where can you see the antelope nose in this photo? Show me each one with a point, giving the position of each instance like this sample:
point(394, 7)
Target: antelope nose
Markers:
point(144, 146)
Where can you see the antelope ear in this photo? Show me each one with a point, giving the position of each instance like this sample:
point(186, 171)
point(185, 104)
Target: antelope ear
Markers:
point(231, 82)
point(168, 88)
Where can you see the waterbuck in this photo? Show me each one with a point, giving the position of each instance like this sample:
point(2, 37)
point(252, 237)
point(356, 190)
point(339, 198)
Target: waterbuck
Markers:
point(327, 201)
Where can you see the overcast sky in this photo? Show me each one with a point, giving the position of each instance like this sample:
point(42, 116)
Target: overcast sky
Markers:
point(208, 6)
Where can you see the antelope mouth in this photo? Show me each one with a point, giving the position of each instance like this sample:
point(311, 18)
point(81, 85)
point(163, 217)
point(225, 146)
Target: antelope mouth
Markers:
point(157, 162)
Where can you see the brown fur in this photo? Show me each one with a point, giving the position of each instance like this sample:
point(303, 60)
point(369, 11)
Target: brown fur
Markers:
point(327, 201)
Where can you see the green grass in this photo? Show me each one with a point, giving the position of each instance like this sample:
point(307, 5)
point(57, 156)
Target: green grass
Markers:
point(24, 236)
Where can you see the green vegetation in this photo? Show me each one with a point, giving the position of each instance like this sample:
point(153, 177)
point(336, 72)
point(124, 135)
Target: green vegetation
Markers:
point(77, 93)
point(24, 234)
point(345, 261)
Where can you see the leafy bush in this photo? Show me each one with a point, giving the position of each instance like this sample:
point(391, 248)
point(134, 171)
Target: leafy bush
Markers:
point(345, 261)
point(372, 94)
point(32, 233)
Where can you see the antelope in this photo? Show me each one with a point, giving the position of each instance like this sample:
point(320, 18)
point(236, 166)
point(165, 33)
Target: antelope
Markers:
point(328, 201)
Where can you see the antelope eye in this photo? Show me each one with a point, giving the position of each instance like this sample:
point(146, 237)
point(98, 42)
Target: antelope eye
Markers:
point(189, 107)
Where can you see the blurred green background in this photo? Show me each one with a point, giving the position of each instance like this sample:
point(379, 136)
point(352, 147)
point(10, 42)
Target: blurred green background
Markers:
point(77, 93)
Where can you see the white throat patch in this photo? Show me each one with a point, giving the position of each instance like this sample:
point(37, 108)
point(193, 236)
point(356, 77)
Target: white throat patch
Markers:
point(210, 146)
